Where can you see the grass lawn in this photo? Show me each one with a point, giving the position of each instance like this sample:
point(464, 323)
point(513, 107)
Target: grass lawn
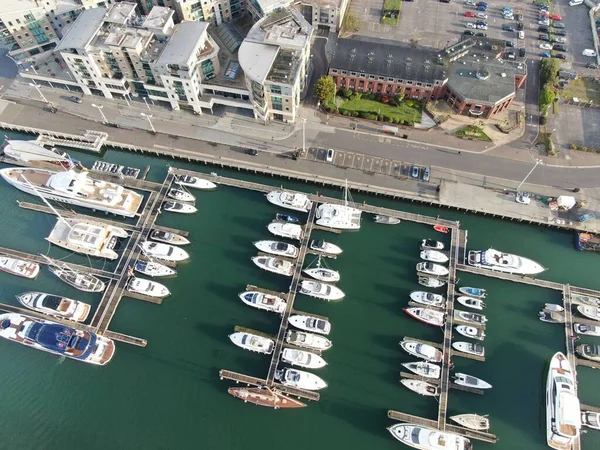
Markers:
point(471, 131)
point(402, 112)
point(584, 90)
point(391, 7)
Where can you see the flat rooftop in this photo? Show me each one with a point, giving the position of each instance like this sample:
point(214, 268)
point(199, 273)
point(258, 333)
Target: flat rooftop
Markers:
point(182, 44)
point(120, 12)
point(482, 81)
point(83, 30)
point(286, 28)
point(256, 59)
point(158, 17)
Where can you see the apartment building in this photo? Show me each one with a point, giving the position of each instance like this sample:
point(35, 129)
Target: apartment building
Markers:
point(325, 15)
point(275, 56)
point(32, 28)
point(261, 8)
point(210, 11)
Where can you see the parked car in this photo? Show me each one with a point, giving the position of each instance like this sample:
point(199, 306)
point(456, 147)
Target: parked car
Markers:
point(544, 37)
point(522, 52)
point(251, 151)
point(482, 8)
point(426, 174)
point(521, 35)
point(546, 46)
point(545, 55)
point(482, 15)
point(575, 2)
point(330, 155)
point(481, 34)
point(544, 14)
point(544, 29)
point(470, 25)
point(510, 54)
point(520, 26)
point(560, 40)
point(559, 47)
point(591, 65)
point(507, 27)
point(469, 14)
point(560, 56)
point(558, 25)
point(560, 33)
point(414, 172)
point(470, 2)
point(508, 17)
point(556, 17)
point(481, 4)
point(481, 26)
point(469, 33)
point(588, 52)
point(544, 22)
point(509, 44)
point(75, 99)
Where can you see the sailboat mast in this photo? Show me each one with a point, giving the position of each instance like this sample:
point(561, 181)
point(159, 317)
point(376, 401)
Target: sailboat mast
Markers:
point(346, 192)
point(46, 202)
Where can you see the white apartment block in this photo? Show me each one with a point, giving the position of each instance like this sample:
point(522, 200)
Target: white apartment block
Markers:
point(323, 14)
point(32, 28)
point(275, 57)
point(210, 11)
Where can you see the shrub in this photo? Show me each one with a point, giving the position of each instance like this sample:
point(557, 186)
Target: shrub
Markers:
point(377, 96)
point(392, 101)
point(356, 95)
point(355, 114)
point(346, 93)
point(368, 96)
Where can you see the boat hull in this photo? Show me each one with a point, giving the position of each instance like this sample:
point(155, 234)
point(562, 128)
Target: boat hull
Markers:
point(263, 301)
point(173, 239)
point(19, 267)
point(274, 265)
point(147, 288)
point(265, 397)
point(65, 309)
point(179, 208)
point(427, 316)
point(310, 341)
point(473, 292)
point(302, 358)
point(300, 379)
point(311, 324)
point(165, 252)
point(83, 282)
point(419, 437)
point(300, 203)
point(424, 369)
point(285, 230)
point(526, 266)
point(321, 274)
point(153, 269)
point(423, 351)
point(421, 387)
point(472, 421)
point(252, 343)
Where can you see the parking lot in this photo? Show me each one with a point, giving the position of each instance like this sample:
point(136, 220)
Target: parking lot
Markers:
point(577, 125)
point(579, 32)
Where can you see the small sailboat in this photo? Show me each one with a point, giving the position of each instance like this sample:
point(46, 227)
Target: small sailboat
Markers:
point(432, 269)
point(153, 269)
point(428, 316)
point(428, 298)
point(421, 387)
point(423, 351)
point(177, 207)
point(591, 312)
point(431, 282)
point(473, 292)
point(471, 332)
point(307, 340)
point(253, 342)
point(82, 281)
point(463, 379)
point(260, 300)
point(286, 230)
point(275, 265)
point(471, 302)
point(264, 396)
point(168, 238)
point(470, 317)
point(591, 419)
point(322, 273)
point(55, 305)
point(441, 228)
point(286, 218)
point(326, 248)
point(302, 358)
point(180, 195)
point(386, 220)
point(162, 251)
point(310, 323)
point(300, 379)
point(591, 330)
point(434, 256)
point(147, 287)
point(321, 290)
point(277, 248)
point(424, 369)
point(467, 347)
point(472, 421)
point(430, 244)
point(19, 267)
point(194, 182)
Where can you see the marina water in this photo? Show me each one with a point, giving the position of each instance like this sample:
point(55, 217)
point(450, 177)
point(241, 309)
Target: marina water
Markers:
point(169, 396)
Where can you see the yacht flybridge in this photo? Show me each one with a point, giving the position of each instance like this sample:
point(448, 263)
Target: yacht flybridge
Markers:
point(75, 189)
point(290, 200)
point(342, 217)
point(504, 262)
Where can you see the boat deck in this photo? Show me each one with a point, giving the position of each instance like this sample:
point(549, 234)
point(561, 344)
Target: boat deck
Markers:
point(452, 385)
point(254, 381)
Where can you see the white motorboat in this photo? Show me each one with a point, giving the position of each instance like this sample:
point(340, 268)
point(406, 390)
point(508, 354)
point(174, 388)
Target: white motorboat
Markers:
point(307, 340)
point(563, 413)
point(431, 282)
point(504, 262)
point(19, 267)
point(162, 251)
point(586, 299)
point(467, 347)
point(300, 379)
point(56, 338)
point(275, 265)
point(310, 323)
point(92, 239)
point(473, 291)
point(434, 256)
point(168, 238)
point(82, 281)
point(421, 387)
point(180, 195)
point(153, 269)
point(321, 290)
point(263, 301)
point(342, 217)
point(55, 305)
point(553, 307)
point(551, 316)
point(75, 189)
point(302, 358)
point(428, 298)
point(194, 182)
point(471, 302)
point(386, 220)
point(424, 438)
point(181, 208)
point(471, 332)
point(277, 248)
point(322, 273)
point(591, 312)
point(426, 315)
point(589, 351)
point(591, 330)
point(430, 244)
point(424, 369)
point(290, 200)
point(470, 317)
point(252, 342)
point(432, 269)
point(31, 151)
point(326, 248)
point(472, 421)
point(147, 287)
point(591, 419)
point(286, 230)
point(423, 351)
point(463, 379)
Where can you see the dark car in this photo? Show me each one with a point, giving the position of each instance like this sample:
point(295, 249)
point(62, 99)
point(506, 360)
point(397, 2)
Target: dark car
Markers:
point(482, 8)
point(469, 33)
point(522, 52)
point(559, 56)
point(544, 29)
point(520, 26)
point(414, 172)
point(560, 32)
point(510, 54)
point(481, 4)
point(563, 83)
point(558, 25)
point(75, 99)
point(510, 44)
point(544, 37)
point(481, 34)
point(519, 17)
point(251, 151)
point(507, 27)
point(591, 65)
point(559, 47)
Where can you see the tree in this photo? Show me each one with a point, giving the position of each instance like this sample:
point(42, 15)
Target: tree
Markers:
point(547, 96)
point(350, 25)
point(549, 71)
point(325, 89)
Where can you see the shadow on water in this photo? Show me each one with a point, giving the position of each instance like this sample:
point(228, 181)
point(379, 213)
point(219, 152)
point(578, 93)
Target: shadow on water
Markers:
point(253, 223)
point(223, 290)
point(367, 419)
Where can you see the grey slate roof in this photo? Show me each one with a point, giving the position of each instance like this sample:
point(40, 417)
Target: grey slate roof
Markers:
point(463, 80)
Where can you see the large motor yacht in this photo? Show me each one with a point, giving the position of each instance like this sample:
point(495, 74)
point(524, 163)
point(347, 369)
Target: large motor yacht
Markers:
point(75, 189)
point(424, 438)
point(563, 414)
point(55, 305)
point(290, 200)
point(504, 262)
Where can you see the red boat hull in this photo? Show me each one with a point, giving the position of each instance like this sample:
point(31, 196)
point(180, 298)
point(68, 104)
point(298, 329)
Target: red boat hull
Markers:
point(441, 228)
point(264, 397)
point(420, 319)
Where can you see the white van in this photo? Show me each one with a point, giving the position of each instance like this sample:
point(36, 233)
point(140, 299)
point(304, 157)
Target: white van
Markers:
point(575, 2)
point(588, 52)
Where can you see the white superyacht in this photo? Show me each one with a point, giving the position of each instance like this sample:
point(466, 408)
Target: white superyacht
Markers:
point(504, 262)
point(424, 438)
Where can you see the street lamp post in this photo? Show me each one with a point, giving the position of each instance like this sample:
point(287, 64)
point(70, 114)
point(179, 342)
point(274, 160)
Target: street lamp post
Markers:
point(147, 106)
point(537, 163)
point(303, 120)
point(40, 92)
point(101, 112)
point(149, 116)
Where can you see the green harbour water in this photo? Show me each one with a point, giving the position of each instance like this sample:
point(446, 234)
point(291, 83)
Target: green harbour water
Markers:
point(169, 396)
